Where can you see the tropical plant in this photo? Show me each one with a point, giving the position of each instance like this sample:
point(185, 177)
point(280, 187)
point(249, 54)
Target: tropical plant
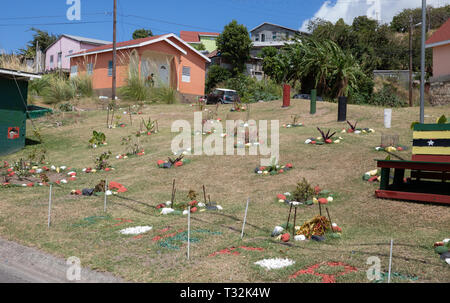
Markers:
point(165, 94)
point(132, 143)
point(136, 88)
point(326, 136)
point(98, 138)
point(150, 125)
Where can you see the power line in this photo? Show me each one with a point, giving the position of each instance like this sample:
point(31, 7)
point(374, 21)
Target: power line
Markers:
point(56, 23)
point(59, 16)
point(169, 22)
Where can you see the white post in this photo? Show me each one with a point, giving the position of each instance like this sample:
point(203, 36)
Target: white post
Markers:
point(390, 262)
point(49, 206)
point(189, 232)
point(245, 218)
point(106, 189)
point(387, 117)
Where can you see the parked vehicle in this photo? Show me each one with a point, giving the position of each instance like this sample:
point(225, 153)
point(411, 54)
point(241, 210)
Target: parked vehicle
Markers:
point(223, 96)
point(306, 96)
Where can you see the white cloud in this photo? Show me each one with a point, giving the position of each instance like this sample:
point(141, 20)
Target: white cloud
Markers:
point(382, 10)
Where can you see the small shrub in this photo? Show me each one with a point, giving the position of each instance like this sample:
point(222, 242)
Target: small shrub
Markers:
point(216, 75)
point(303, 192)
point(101, 162)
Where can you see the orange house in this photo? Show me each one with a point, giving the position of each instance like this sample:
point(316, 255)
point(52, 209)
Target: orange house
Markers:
point(164, 60)
point(440, 82)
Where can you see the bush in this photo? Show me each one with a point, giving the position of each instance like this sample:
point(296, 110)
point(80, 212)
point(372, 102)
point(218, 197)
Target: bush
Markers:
point(216, 74)
point(252, 90)
point(59, 89)
point(36, 86)
point(83, 86)
point(136, 89)
point(164, 94)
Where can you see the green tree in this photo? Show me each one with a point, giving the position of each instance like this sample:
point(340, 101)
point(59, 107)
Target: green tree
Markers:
point(43, 37)
point(216, 75)
point(142, 33)
point(199, 46)
point(234, 44)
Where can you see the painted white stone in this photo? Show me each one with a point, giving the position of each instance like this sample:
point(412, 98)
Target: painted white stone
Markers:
point(274, 263)
point(136, 230)
point(166, 211)
point(300, 238)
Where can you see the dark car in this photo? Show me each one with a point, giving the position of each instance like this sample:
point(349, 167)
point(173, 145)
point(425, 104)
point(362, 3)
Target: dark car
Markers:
point(306, 97)
point(223, 96)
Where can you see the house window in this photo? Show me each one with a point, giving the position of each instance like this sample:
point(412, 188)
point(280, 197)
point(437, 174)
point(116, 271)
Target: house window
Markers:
point(59, 59)
point(73, 70)
point(257, 38)
point(110, 68)
point(51, 61)
point(263, 38)
point(274, 36)
point(186, 74)
point(90, 69)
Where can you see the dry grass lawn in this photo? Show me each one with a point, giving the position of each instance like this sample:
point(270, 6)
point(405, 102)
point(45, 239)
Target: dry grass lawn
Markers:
point(368, 223)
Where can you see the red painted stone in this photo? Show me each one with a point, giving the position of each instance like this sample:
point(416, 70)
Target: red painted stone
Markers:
point(323, 201)
point(286, 237)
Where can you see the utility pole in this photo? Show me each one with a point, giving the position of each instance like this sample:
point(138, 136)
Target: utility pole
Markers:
point(422, 62)
point(114, 52)
point(410, 61)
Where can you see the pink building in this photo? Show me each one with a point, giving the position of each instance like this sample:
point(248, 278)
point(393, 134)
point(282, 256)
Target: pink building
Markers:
point(56, 55)
point(440, 83)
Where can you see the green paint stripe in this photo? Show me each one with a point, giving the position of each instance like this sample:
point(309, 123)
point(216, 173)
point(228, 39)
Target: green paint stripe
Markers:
point(431, 127)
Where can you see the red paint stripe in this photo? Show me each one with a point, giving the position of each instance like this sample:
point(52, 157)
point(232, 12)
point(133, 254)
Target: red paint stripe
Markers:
point(431, 158)
point(422, 197)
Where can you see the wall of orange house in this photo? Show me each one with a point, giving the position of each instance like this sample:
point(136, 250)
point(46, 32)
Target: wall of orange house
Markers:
point(441, 60)
point(102, 81)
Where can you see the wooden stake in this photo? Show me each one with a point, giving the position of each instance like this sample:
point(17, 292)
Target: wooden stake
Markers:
point(204, 193)
point(209, 199)
point(106, 189)
point(295, 220)
point(189, 232)
point(289, 217)
point(173, 191)
point(329, 218)
point(49, 207)
point(245, 218)
point(320, 208)
point(107, 116)
point(129, 112)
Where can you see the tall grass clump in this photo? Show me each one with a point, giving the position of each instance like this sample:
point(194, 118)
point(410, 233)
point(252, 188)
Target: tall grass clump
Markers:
point(165, 94)
point(136, 89)
point(59, 89)
point(11, 61)
point(83, 86)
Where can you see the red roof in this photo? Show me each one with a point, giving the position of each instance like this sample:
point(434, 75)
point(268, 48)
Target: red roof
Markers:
point(189, 36)
point(119, 44)
point(441, 35)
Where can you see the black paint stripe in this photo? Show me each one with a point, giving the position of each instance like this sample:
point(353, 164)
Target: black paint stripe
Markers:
point(436, 142)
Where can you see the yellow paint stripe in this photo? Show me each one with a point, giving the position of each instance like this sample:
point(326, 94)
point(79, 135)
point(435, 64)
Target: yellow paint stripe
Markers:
point(431, 150)
point(431, 135)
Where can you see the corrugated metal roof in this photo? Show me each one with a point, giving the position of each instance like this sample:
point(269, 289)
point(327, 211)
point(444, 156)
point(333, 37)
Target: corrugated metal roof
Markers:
point(87, 40)
point(193, 37)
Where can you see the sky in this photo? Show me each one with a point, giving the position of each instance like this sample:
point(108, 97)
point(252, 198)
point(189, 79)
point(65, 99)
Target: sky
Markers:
point(171, 16)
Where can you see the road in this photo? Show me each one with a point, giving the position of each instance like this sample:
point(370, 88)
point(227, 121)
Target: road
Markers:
point(20, 264)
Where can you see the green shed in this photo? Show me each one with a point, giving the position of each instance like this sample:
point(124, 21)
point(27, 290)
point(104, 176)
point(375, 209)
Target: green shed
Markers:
point(14, 109)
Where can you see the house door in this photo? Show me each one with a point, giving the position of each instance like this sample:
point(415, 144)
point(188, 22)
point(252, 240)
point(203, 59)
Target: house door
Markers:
point(164, 74)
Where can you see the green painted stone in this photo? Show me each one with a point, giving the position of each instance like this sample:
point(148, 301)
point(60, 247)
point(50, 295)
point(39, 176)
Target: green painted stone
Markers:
point(309, 202)
point(441, 249)
point(335, 236)
point(366, 177)
point(324, 192)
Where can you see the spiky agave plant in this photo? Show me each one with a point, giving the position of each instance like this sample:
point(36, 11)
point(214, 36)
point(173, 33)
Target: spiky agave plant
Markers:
point(326, 136)
point(352, 126)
